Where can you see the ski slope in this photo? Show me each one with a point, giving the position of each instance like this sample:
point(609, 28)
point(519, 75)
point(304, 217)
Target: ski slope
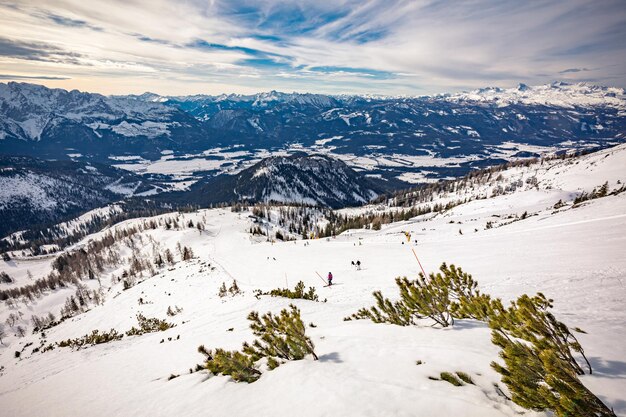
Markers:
point(572, 254)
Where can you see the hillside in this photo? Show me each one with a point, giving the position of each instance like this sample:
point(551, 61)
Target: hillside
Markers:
point(298, 178)
point(36, 192)
point(572, 253)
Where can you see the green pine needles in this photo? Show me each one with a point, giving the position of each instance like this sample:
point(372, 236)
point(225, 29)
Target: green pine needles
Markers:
point(439, 297)
point(542, 357)
point(281, 338)
point(239, 366)
point(298, 292)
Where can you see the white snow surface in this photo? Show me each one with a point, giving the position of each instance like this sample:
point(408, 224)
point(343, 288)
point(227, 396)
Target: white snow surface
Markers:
point(574, 255)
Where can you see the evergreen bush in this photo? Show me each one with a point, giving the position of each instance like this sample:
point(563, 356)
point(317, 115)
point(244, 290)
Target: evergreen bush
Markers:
point(280, 338)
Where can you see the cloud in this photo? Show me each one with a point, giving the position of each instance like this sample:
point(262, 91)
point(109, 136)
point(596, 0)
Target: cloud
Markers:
point(573, 70)
point(31, 77)
point(371, 46)
point(69, 22)
point(37, 51)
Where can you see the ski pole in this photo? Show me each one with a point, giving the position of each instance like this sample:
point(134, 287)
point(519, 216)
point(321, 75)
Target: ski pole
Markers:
point(320, 277)
point(418, 261)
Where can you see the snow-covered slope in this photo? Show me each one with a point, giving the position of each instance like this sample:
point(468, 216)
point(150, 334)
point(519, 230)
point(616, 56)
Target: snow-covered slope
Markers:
point(35, 192)
point(572, 254)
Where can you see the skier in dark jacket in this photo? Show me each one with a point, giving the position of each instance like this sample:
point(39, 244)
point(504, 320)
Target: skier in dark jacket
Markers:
point(358, 265)
point(330, 279)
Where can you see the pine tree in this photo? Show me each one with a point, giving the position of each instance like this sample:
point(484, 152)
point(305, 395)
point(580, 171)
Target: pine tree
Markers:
point(279, 337)
point(223, 290)
point(541, 380)
point(234, 288)
point(239, 366)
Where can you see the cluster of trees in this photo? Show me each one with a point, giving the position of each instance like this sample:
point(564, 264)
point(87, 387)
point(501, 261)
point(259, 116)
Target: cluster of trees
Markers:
point(146, 325)
point(599, 192)
point(94, 338)
point(233, 290)
point(5, 278)
point(90, 261)
point(296, 220)
point(419, 200)
point(280, 338)
point(61, 235)
point(13, 319)
point(337, 223)
point(298, 292)
point(542, 356)
point(72, 267)
point(315, 222)
point(425, 193)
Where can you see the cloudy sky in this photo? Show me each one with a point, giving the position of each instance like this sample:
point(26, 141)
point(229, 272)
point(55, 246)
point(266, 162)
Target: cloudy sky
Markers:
point(336, 46)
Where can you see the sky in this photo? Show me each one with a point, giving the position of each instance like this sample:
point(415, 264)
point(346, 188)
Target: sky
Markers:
point(388, 47)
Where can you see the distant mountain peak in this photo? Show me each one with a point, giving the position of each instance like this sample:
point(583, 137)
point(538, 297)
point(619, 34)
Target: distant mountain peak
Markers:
point(297, 178)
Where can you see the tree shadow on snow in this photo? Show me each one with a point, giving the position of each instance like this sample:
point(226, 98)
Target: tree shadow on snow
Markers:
point(607, 368)
point(331, 357)
point(468, 324)
point(618, 406)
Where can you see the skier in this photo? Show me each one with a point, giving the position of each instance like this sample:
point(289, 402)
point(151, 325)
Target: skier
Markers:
point(330, 279)
point(353, 264)
point(358, 265)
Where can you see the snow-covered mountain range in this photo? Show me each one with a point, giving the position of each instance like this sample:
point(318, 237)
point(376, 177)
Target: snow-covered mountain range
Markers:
point(473, 127)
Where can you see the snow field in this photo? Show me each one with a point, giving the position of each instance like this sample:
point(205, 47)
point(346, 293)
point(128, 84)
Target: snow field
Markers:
point(573, 255)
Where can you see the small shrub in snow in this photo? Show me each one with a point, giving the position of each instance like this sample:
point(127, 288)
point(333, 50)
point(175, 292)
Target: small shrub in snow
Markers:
point(298, 292)
point(173, 311)
point(148, 325)
point(426, 297)
point(451, 378)
point(440, 297)
point(239, 366)
point(233, 290)
point(541, 355)
point(540, 368)
point(465, 378)
point(94, 338)
point(280, 338)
